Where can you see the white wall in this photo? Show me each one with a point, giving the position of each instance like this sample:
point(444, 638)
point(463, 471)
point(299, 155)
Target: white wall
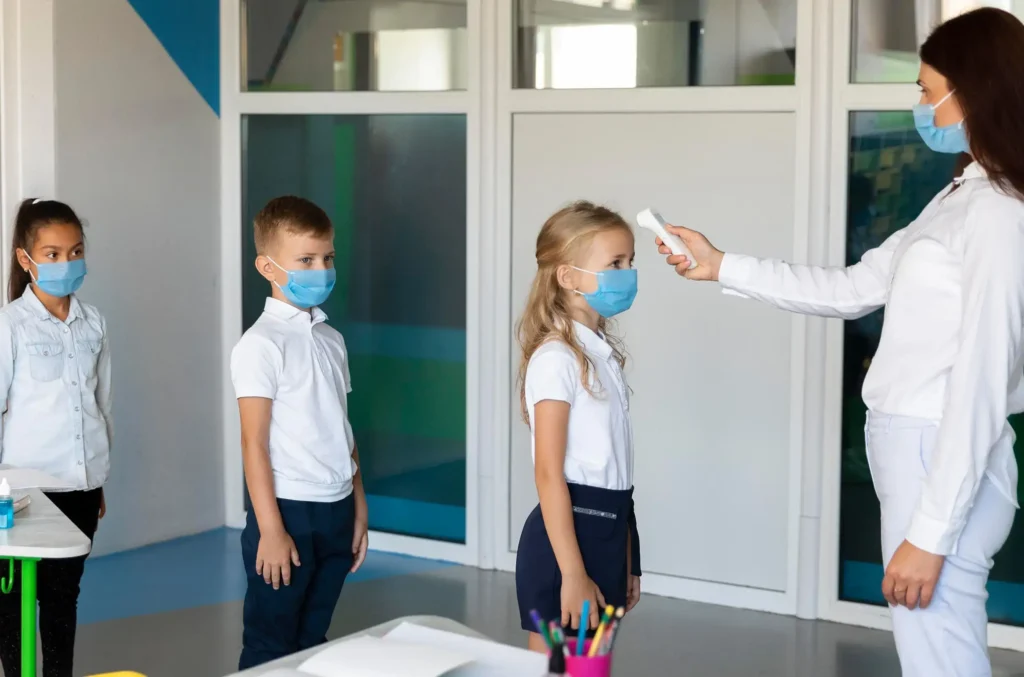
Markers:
point(137, 157)
point(711, 375)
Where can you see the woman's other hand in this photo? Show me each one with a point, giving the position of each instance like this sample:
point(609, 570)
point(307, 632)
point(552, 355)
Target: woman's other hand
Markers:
point(708, 259)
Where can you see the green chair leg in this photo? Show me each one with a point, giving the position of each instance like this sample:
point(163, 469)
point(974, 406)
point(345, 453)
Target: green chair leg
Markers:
point(7, 582)
point(28, 617)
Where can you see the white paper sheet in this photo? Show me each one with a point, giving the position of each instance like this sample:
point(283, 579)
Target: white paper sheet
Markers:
point(373, 657)
point(490, 659)
point(27, 478)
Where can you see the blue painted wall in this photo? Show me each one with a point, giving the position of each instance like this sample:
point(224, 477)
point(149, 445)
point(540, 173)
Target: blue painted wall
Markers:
point(190, 32)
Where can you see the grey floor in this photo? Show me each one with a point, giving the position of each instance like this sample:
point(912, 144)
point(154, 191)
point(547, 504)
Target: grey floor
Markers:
point(663, 637)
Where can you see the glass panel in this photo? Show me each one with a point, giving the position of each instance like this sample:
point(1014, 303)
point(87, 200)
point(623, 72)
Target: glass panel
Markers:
point(892, 176)
point(395, 188)
point(354, 45)
point(887, 34)
point(598, 44)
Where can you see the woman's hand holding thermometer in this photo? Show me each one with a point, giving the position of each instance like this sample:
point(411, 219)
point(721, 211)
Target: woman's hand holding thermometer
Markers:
point(687, 250)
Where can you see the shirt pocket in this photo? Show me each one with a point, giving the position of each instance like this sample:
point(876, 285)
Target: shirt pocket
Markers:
point(89, 355)
point(46, 361)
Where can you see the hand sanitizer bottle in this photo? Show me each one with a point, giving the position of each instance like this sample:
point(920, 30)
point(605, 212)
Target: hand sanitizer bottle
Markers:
point(6, 505)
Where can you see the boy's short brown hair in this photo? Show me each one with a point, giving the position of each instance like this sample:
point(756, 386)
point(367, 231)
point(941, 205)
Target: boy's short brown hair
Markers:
point(289, 214)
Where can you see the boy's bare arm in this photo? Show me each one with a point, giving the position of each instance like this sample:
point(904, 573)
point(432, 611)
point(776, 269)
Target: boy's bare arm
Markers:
point(276, 551)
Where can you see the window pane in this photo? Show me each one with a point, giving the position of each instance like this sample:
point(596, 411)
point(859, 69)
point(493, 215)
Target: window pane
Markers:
point(892, 176)
point(887, 34)
point(353, 45)
point(395, 188)
point(597, 44)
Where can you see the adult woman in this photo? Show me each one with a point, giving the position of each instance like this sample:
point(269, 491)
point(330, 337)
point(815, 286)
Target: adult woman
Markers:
point(948, 370)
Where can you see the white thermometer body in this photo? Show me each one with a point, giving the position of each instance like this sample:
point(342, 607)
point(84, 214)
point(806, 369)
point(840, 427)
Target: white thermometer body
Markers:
point(652, 221)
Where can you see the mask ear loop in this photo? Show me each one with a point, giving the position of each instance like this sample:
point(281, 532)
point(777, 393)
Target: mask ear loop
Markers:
point(582, 270)
point(29, 270)
point(943, 100)
point(280, 267)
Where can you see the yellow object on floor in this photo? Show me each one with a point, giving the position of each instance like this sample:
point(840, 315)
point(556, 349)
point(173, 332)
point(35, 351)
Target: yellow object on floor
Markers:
point(120, 674)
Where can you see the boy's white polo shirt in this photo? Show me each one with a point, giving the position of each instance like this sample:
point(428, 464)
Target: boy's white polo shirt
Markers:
point(599, 446)
point(292, 357)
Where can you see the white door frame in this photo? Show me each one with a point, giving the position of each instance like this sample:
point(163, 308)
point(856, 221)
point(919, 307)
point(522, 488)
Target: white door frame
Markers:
point(27, 112)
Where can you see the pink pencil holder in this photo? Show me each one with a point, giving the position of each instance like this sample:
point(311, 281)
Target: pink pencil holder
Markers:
point(581, 666)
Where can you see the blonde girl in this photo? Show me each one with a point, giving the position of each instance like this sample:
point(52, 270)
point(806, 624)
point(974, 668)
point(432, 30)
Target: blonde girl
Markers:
point(580, 543)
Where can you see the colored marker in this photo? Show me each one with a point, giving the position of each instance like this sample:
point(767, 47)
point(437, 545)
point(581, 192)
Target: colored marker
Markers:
point(608, 611)
point(541, 629)
point(581, 638)
point(613, 631)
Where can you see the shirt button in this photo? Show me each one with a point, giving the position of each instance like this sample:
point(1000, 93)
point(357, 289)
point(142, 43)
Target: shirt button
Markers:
point(81, 462)
point(76, 408)
point(78, 437)
point(71, 356)
point(65, 330)
point(46, 353)
point(74, 383)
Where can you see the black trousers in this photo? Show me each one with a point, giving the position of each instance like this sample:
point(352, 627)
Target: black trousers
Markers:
point(57, 591)
point(281, 622)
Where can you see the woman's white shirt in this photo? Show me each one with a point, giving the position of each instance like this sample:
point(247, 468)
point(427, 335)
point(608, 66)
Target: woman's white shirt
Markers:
point(952, 284)
point(599, 444)
point(55, 390)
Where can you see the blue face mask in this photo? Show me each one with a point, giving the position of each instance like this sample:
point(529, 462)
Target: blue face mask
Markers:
point(59, 279)
point(948, 139)
point(616, 290)
point(307, 288)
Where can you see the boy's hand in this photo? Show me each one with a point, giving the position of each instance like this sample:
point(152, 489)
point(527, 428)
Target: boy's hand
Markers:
point(575, 589)
point(103, 504)
point(275, 557)
point(359, 543)
point(632, 592)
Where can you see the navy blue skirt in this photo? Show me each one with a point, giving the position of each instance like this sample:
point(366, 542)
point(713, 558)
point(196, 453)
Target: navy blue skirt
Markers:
point(603, 518)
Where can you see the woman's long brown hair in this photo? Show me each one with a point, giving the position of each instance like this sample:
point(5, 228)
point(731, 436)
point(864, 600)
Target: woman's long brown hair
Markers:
point(981, 55)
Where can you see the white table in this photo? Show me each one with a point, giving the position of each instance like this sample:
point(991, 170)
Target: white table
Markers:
point(294, 661)
point(41, 531)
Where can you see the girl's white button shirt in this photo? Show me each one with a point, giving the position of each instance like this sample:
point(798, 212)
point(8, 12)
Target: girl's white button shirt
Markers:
point(599, 446)
point(55, 391)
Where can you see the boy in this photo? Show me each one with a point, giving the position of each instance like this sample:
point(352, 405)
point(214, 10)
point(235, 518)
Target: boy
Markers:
point(307, 527)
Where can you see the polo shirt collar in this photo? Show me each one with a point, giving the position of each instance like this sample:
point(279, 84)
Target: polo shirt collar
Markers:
point(290, 313)
point(37, 308)
point(592, 341)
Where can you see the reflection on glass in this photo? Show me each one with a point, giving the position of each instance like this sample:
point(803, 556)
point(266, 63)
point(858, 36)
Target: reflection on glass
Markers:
point(888, 33)
point(354, 45)
point(892, 176)
point(598, 44)
point(395, 189)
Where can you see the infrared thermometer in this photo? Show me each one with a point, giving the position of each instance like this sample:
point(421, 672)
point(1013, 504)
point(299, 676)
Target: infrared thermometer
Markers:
point(652, 221)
